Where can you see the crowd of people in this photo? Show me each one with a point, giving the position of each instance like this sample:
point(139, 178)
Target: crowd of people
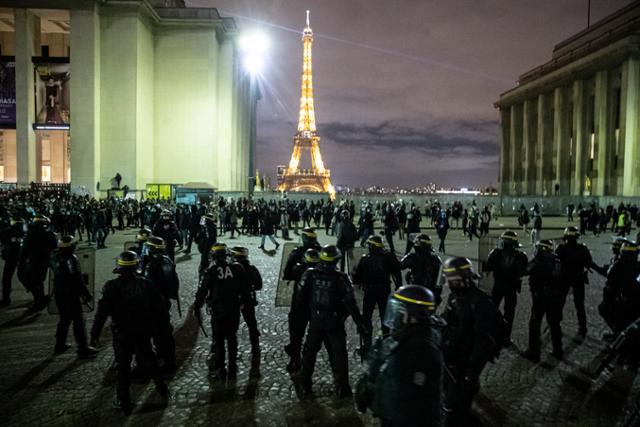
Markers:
point(418, 352)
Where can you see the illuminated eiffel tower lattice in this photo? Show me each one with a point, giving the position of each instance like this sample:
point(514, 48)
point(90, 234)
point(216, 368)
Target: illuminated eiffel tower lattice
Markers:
point(317, 178)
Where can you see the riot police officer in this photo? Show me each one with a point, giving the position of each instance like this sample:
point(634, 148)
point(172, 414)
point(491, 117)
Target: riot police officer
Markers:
point(309, 240)
point(298, 321)
point(168, 230)
point(241, 256)
point(70, 292)
point(468, 339)
point(402, 383)
point(326, 296)
point(207, 236)
point(34, 258)
point(373, 274)
point(11, 238)
point(622, 293)
point(161, 271)
point(508, 265)
point(575, 259)
point(424, 265)
point(136, 308)
point(225, 283)
point(544, 272)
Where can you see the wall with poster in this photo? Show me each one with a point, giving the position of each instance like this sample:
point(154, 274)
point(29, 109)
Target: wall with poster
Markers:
point(159, 191)
point(7, 95)
point(52, 95)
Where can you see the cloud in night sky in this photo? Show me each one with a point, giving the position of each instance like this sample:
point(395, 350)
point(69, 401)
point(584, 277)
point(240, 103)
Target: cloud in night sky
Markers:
point(404, 89)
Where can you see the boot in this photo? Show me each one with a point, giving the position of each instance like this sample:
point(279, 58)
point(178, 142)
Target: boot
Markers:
point(120, 405)
point(87, 352)
point(531, 355)
point(61, 348)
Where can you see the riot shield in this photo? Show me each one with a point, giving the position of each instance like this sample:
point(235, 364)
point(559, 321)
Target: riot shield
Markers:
point(87, 259)
point(485, 245)
point(284, 290)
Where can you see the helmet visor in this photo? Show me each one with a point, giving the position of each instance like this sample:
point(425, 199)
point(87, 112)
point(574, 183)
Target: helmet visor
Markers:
point(395, 316)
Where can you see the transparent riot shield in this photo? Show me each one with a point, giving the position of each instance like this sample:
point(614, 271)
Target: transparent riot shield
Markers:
point(87, 259)
point(284, 290)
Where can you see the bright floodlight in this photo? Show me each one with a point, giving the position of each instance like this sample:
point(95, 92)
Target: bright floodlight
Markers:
point(254, 46)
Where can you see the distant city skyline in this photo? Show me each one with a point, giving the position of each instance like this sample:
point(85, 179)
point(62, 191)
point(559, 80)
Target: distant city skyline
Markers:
point(403, 95)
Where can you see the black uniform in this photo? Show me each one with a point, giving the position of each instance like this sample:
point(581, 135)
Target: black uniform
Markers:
point(575, 259)
point(404, 378)
point(424, 267)
point(161, 271)
point(11, 238)
point(544, 272)
point(326, 296)
point(136, 308)
point(374, 273)
point(622, 293)
point(168, 230)
point(34, 261)
point(508, 266)
point(298, 319)
point(226, 286)
point(69, 291)
point(249, 310)
point(207, 236)
point(467, 347)
point(296, 257)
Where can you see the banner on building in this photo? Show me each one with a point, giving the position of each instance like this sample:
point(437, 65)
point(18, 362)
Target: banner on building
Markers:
point(8, 95)
point(52, 96)
point(159, 191)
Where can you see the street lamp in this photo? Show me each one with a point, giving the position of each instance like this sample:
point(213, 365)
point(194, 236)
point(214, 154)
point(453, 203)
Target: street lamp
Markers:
point(254, 46)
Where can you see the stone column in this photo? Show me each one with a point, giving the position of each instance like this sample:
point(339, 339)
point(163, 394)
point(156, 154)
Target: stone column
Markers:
point(505, 151)
point(561, 142)
point(629, 123)
point(543, 152)
point(27, 43)
point(529, 140)
point(579, 138)
point(225, 113)
point(85, 98)
point(602, 120)
point(516, 149)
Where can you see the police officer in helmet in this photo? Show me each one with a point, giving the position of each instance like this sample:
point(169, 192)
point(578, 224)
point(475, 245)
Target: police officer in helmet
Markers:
point(11, 238)
point(544, 272)
point(326, 297)
point(241, 255)
point(576, 260)
point(374, 274)
point(468, 339)
point(226, 286)
point(508, 265)
point(168, 230)
point(298, 321)
point(423, 265)
point(205, 239)
point(70, 292)
point(402, 383)
point(622, 288)
point(309, 240)
point(143, 234)
point(136, 308)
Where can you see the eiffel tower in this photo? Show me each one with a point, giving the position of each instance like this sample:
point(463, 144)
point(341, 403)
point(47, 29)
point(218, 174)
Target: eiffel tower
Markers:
point(317, 178)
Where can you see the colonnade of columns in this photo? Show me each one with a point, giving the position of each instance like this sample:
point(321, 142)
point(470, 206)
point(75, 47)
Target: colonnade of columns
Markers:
point(578, 139)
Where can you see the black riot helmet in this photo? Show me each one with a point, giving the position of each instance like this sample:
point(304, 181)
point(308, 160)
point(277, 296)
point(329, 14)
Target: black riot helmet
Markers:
point(127, 263)
point(509, 239)
point(375, 243)
point(571, 234)
point(239, 253)
point(629, 250)
point(543, 248)
point(617, 244)
point(330, 254)
point(143, 234)
point(309, 236)
point(67, 243)
point(219, 250)
point(156, 245)
point(345, 215)
point(459, 274)
point(409, 304)
point(166, 215)
point(422, 242)
point(311, 256)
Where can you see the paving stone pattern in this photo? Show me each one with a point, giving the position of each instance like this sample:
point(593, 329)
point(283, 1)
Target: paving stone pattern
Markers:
point(37, 388)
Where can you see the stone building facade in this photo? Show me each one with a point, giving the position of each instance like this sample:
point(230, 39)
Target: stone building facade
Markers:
point(571, 126)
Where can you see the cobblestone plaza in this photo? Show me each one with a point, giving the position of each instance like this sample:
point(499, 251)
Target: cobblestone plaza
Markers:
point(37, 388)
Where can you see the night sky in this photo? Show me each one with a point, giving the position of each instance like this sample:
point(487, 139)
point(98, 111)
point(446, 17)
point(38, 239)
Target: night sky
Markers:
point(404, 89)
